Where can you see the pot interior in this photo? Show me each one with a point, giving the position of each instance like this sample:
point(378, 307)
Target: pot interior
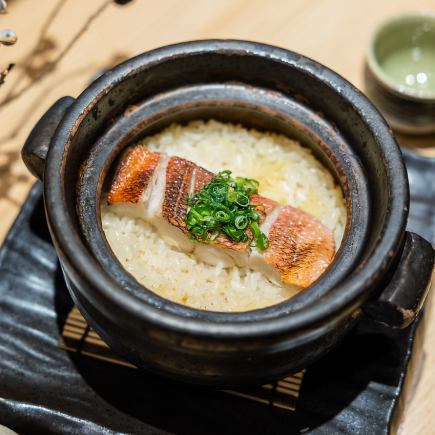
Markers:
point(251, 107)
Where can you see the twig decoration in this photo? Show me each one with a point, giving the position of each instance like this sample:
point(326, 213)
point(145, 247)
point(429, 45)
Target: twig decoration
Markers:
point(54, 63)
point(5, 72)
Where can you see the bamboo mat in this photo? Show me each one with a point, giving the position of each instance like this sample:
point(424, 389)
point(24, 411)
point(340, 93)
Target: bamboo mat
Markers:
point(79, 338)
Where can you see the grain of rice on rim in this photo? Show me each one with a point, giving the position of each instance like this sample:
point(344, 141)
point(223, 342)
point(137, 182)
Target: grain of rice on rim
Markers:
point(287, 172)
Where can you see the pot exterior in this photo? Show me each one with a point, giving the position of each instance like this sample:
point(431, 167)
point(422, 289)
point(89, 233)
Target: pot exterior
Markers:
point(222, 348)
point(217, 363)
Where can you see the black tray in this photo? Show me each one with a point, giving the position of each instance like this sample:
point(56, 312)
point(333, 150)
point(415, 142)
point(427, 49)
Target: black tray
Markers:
point(359, 388)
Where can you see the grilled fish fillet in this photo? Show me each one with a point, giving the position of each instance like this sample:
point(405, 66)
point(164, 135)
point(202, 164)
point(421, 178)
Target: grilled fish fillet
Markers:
point(156, 187)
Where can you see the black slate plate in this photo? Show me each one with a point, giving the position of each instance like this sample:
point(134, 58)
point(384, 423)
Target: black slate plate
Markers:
point(421, 173)
point(359, 388)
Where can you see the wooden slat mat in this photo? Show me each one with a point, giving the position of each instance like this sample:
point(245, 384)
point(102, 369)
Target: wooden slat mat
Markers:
point(78, 337)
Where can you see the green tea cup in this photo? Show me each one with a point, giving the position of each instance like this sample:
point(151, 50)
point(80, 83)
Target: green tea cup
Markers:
point(400, 72)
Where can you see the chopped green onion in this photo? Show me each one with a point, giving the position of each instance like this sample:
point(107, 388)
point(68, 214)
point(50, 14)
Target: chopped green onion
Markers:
point(262, 242)
point(213, 235)
point(222, 206)
point(255, 216)
point(210, 221)
point(222, 216)
point(197, 231)
point(241, 222)
point(232, 196)
point(255, 229)
point(191, 221)
point(195, 215)
point(242, 200)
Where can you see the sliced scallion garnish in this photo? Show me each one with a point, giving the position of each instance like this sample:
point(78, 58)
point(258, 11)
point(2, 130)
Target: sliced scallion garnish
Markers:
point(222, 206)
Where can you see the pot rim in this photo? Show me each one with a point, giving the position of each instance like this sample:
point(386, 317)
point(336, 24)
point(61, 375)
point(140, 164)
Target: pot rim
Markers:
point(343, 299)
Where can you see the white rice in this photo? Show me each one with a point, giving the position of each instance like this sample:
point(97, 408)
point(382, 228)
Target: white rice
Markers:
point(287, 172)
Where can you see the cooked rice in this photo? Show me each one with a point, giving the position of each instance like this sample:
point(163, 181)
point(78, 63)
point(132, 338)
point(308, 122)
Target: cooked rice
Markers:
point(287, 172)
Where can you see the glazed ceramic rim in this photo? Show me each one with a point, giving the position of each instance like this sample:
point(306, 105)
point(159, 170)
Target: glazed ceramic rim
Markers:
point(422, 96)
point(89, 208)
point(345, 297)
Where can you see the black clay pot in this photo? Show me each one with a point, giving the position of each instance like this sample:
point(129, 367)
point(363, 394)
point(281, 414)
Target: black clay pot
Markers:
point(379, 269)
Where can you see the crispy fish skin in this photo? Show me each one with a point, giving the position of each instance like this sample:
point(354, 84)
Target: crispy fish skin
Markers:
point(133, 175)
point(179, 174)
point(202, 177)
point(264, 205)
point(300, 246)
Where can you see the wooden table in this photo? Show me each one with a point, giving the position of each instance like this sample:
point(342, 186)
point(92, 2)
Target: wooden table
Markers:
point(334, 32)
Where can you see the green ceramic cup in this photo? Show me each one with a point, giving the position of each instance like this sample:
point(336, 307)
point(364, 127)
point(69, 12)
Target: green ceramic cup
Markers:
point(400, 72)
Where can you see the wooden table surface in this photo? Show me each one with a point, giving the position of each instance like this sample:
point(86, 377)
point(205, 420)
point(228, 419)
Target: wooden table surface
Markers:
point(63, 43)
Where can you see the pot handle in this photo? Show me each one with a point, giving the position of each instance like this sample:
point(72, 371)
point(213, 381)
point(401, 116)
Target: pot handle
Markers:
point(402, 299)
point(35, 148)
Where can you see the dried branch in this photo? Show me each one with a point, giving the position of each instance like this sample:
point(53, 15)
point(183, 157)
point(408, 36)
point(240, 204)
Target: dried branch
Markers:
point(53, 64)
point(81, 32)
point(30, 108)
point(29, 58)
point(5, 72)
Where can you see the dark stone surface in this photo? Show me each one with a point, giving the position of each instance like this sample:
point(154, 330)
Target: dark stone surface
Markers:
point(421, 173)
point(44, 389)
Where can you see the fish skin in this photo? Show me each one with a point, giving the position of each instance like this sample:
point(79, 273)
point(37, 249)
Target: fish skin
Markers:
point(133, 175)
point(300, 246)
point(179, 174)
point(202, 177)
point(309, 245)
point(264, 205)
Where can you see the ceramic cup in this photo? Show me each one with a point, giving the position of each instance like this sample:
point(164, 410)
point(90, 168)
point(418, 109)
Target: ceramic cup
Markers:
point(400, 72)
